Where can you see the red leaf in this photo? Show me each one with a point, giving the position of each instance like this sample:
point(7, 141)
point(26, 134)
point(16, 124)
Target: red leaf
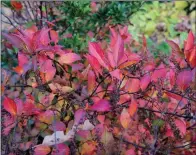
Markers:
point(69, 58)
point(16, 5)
point(160, 72)
point(42, 150)
point(10, 106)
point(190, 41)
point(175, 96)
point(144, 82)
point(18, 69)
point(172, 77)
point(125, 118)
point(184, 79)
point(191, 57)
point(101, 106)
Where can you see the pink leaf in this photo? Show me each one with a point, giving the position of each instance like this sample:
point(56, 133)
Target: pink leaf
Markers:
point(14, 40)
point(184, 79)
point(69, 58)
point(111, 59)
point(101, 106)
point(116, 73)
point(94, 64)
point(61, 149)
point(130, 152)
point(22, 59)
point(79, 115)
point(48, 70)
point(57, 126)
point(160, 72)
point(118, 49)
point(181, 125)
point(133, 85)
point(145, 80)
point(43, 37)
point(96, 51)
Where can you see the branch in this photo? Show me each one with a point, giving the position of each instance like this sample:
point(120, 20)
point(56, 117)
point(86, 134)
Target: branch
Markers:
point(168, 113)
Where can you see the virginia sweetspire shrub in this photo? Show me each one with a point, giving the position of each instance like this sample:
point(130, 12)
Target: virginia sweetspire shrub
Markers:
point(116, 99)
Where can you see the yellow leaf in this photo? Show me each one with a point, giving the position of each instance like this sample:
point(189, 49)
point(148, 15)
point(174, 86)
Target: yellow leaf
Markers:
point(125, 118)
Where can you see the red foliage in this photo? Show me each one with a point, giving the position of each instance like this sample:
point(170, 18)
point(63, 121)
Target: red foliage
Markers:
point(16, 5)
point(109, 97)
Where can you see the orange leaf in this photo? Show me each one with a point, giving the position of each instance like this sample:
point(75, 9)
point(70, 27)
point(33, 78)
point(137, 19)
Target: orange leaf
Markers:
point(18, 70)
point(89, 148)
point(91, 81)
point(69, 58)
point(125, 118)
point(133, 107)
point(42, 150)
point(133, 85)
point(10, 106)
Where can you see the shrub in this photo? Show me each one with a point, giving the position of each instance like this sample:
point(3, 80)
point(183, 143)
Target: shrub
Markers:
point(116, 99)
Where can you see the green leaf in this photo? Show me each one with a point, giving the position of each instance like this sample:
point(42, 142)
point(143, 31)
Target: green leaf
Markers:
point(158, 122)
point(164, 47)
point(183, 37)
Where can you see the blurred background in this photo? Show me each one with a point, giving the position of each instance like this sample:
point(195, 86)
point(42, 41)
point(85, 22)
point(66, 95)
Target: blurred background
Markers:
point(83, 21)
